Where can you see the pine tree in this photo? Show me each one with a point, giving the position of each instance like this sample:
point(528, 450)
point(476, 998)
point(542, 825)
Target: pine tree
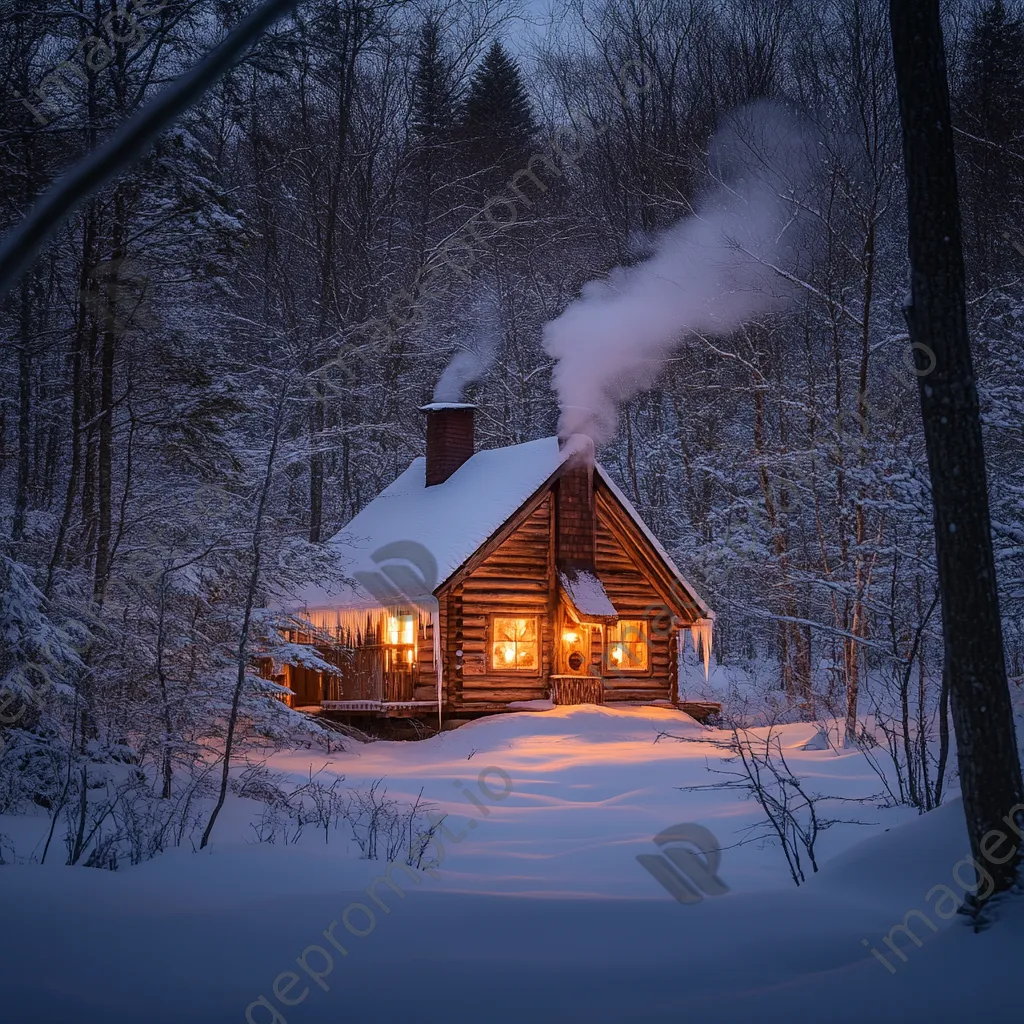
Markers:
point(498, 105)
point(990, 111)
point(433, 106)
point(432, 129)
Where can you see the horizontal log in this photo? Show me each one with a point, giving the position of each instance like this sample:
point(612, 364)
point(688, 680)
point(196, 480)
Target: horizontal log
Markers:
point(511, 584)
point(530, 571)
point(500, 697)
point(496, 681)
point(635, 696)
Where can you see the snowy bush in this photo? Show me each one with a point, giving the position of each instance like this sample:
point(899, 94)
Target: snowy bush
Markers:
point(380, 826)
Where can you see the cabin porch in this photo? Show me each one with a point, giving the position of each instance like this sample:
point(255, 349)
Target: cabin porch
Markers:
point(383, 680)
point(388, 671)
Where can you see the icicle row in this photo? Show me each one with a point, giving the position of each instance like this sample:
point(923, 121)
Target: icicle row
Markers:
point(354, 626)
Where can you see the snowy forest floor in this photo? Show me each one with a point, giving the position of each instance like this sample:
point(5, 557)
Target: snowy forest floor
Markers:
point(540, 911)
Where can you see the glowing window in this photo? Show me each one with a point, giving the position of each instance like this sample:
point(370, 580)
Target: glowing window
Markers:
point(401, 631)
point(628, 646)
point(514, 646)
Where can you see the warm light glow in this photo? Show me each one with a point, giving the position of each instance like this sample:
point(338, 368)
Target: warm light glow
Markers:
point(628, 646)
point(514, 644)
point(570, 637)
point(401, 630)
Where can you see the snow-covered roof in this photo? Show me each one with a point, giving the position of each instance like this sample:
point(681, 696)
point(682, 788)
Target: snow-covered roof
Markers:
point(412, 538)
point(444, 524)
point(587, 594)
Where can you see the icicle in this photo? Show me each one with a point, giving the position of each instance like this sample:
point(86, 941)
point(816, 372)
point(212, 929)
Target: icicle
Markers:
point(705, 639)
point(435, 625)
point(700, 631)
point(353, 626)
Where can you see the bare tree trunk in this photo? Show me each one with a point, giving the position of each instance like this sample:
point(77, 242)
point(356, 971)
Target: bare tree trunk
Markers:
point(24, 411)
point(85, 305)
point(316, 463)
point(937, 320)
point(242, 654)
point(166, 765)
point(106, 414)
point(940, 768)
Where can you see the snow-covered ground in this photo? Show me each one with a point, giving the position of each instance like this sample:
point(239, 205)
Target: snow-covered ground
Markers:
point(538, 908)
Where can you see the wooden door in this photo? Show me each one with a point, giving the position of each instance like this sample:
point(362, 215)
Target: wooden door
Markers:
point(574, 650)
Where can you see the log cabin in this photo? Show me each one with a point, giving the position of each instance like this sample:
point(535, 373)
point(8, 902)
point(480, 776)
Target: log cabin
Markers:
point(505, 579)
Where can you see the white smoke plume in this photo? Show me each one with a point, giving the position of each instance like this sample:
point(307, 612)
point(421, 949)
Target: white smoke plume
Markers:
point(477, 351)
point(709, 273)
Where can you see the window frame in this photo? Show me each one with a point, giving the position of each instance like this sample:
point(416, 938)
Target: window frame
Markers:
point(492, 640)
point(401, 619)
point(617, 669)
point(396, 654)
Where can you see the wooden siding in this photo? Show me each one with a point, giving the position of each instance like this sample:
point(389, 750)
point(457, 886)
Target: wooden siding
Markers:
point(425, 685)
point(514, 574)
point(629, 580)
point(514, 578)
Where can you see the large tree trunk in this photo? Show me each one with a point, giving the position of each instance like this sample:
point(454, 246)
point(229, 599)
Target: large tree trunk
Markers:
point(936, 317)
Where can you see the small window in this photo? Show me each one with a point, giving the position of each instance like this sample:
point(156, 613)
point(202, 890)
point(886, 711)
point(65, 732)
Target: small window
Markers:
point(401, 630)
point(514, 646)
point(400, 638)
point(628, 646)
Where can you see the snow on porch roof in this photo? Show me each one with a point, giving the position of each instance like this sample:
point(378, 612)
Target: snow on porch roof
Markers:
point(451, 520)
point(587, 595)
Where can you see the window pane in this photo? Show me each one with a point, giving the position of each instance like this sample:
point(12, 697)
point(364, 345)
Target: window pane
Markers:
point(628, 646)
point(401, 630)
point(515, 646)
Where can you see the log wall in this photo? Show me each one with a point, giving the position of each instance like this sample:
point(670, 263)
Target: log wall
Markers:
point(631, 587)
point(514, 575)
point(516, 578)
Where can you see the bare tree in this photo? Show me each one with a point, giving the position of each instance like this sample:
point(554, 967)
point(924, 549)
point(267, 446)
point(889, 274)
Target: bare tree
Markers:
point(243, 654)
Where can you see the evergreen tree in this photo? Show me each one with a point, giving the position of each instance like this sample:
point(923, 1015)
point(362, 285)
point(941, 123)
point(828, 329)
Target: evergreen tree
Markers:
point(991, 114)
point(433, 107)
point(497, 104)
point(431, 130)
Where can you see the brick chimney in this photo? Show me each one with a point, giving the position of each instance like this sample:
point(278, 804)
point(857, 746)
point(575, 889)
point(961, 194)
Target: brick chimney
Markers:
point(449, 438)
point(574, 508)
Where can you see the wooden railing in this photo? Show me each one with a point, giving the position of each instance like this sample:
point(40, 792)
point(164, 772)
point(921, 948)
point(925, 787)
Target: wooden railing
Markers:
point(365, 678)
